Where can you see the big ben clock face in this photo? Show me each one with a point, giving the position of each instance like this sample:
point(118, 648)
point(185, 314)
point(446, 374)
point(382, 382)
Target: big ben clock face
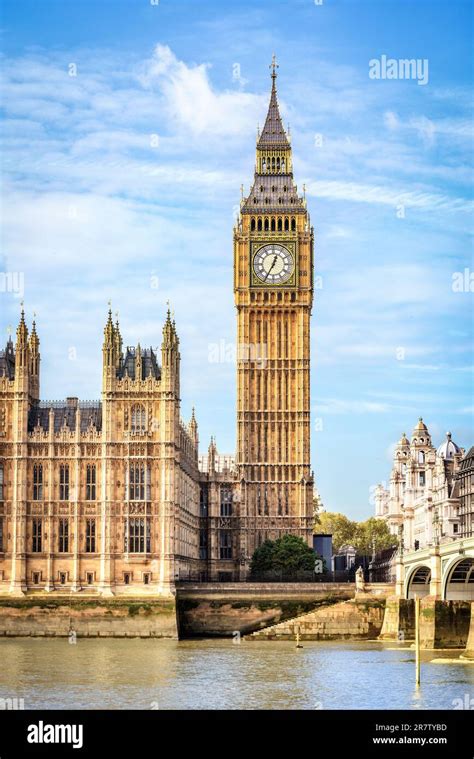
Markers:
point(273, 264)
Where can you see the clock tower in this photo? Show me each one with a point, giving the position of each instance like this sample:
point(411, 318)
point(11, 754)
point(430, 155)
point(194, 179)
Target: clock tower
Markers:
point(273, 287)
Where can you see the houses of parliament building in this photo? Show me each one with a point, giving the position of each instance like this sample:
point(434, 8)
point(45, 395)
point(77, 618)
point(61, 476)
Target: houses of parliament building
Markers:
point(112, 496)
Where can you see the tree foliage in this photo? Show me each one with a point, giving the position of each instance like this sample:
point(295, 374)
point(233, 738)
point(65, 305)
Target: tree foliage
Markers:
point(361, 535)
point(286, 554)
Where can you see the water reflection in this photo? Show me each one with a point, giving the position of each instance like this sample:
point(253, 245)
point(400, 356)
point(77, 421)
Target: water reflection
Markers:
point(217, 674)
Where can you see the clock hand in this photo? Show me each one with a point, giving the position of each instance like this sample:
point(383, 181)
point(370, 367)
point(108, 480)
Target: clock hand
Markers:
point(275, 258)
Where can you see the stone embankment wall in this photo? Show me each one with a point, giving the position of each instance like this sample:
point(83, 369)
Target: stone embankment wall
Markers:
point(221, 610)
point(88, 617)
point(361, 617)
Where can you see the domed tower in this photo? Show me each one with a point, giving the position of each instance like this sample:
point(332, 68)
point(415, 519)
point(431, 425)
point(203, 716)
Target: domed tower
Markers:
point(448, 450)
point(422, 455)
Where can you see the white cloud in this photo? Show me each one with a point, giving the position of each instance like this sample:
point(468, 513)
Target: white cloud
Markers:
point(193, 105)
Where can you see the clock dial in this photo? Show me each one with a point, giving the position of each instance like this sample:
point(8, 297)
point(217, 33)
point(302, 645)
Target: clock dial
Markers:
point(273, 264)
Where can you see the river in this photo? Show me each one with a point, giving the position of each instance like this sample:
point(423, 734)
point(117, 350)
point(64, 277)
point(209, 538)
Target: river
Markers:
point(219, 674)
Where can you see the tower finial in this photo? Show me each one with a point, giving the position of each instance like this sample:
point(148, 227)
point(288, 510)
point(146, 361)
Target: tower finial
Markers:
point(274, 66)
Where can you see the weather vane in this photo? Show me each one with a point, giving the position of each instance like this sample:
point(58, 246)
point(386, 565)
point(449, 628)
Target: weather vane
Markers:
point(274, 66)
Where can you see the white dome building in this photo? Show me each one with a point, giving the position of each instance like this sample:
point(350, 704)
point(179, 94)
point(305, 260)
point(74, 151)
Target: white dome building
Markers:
point(448, 449)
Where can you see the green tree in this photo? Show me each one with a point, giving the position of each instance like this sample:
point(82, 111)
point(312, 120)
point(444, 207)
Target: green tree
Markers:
point(262, 557)
point(339, 526)
point(286, 554)
point(373, 532)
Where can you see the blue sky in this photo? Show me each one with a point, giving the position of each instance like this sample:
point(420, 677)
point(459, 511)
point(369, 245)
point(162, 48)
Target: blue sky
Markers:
point(122, 182)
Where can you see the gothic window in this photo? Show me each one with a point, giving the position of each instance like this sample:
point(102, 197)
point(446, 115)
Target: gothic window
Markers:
point(38, 482)
point(1, 534)
point(138, 537)
point(259, 225)
point(139, 482)
point(252, 225)
point(266, 225)
point(37, 535)
point(225, 544)
point(91, 474)
point(283, 166)
point(1, 481)
point(138, 419)
point(63, 535)
point(278, 163)
point(226, 502)
point(203, 544)
point(64, 482)
point(203, 501)
point(293, 225)
point(279, 225)
point(273, 225)
point(90, 535)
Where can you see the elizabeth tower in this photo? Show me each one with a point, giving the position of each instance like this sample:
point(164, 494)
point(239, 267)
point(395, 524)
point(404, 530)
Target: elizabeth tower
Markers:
point(273, 286)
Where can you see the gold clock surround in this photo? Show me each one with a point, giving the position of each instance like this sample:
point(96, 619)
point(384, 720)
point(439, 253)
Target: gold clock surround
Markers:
point(291, 246)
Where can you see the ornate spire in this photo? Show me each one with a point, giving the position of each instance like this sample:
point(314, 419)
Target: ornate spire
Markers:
point(34, 339)
point(273, 134)
point(21, 330)
point(109, 328)
point(168, 330)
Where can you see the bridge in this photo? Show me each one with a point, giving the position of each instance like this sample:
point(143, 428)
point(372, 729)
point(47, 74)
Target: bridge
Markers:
point(444, 571)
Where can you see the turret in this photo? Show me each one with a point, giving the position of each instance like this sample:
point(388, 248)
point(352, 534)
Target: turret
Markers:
point(118, 343)
point(109, 352)
point(138, 362)
point(22, 356)
point(34, 363)
point(211, 456)
point(193, 428)
point(170, 356)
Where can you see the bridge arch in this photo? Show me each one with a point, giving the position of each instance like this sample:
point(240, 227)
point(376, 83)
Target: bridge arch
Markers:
point(458, 579)
point(418, 582)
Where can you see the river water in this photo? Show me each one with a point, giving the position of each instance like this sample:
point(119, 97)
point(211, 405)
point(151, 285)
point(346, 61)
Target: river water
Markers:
point(219, 674)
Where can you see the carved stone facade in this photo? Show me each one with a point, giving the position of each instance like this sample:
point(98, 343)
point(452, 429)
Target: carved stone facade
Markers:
point(422, 502)
point(101, 496)
point(110, 496)
point(273, 289)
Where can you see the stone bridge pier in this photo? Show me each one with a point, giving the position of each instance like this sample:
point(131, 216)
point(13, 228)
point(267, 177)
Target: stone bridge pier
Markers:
point(442, 576)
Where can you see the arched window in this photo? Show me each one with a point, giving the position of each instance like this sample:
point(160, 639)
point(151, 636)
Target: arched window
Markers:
point(293, 225)
point(279, 224)
point(283, 165)
point(421, 457)
point(278, 163)
point(259, 225)
point(273, 225)
point(252, 225)
point(138, 422)
point(139, 482)
point(265, 226)
point(287, 224)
